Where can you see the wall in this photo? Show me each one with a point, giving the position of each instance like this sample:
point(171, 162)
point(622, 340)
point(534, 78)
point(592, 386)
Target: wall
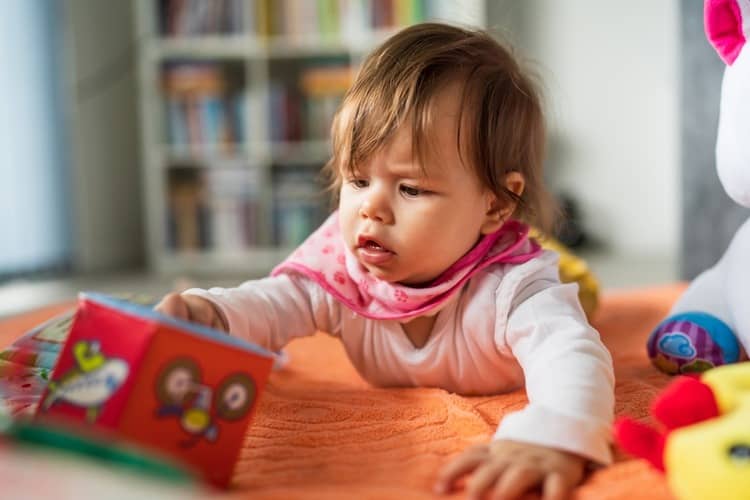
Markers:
point(103, 117)
point(611, 75)
point(35, 216)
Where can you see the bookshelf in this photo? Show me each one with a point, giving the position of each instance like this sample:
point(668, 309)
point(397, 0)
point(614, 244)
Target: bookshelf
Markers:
point(236, 99)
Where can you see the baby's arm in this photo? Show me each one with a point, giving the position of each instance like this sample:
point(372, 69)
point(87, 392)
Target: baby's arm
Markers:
point(569, 383)
point(269, 312)
point(568, 376)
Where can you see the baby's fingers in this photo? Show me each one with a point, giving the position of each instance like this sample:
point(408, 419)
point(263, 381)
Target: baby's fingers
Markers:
point(204, 312)
point(516, 481)
point(191, 308)
point(484, 478)
point(173, 305)
point(465, 463)
point(556, 487)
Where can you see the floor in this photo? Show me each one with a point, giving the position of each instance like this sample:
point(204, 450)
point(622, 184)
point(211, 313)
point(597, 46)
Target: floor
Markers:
point(614, 272)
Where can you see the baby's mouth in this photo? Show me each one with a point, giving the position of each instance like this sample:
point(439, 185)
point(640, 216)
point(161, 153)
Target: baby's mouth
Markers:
point(371, 251)
point(371, 244)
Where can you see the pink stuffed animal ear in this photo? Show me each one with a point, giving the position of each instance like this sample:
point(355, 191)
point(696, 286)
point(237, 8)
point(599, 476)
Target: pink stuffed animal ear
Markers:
point(727, 24)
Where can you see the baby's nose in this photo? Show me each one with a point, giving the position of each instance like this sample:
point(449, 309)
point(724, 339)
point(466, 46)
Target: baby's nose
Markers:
point(376, 207)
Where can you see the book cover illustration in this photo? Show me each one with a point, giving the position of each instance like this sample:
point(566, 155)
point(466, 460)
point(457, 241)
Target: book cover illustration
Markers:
point(197, 406)
point(90, 383)
point(26, 364)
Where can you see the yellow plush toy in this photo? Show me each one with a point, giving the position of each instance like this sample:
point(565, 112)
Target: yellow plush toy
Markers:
point(704, 449)
point(573, 269)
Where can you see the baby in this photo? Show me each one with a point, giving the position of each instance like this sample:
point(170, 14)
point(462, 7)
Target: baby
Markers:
point(425, 271)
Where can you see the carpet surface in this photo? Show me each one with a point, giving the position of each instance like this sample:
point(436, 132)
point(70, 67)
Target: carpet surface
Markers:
point(322, 432)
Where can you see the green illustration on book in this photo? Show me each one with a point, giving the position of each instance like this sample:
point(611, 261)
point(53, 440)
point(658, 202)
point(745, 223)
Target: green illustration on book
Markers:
point(25, 366)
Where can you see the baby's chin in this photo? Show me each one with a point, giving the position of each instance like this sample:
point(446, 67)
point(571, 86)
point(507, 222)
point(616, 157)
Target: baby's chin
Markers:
point(387, 275)
point(397, 274)
point(382, 274)
point(417, 280)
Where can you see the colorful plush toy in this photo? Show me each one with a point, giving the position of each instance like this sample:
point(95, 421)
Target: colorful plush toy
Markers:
point(710, 324)
point(704, 448)
point(573, 269)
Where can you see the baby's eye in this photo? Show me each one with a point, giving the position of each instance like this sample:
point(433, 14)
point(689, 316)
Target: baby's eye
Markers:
point(411, 190)
point(359, 183)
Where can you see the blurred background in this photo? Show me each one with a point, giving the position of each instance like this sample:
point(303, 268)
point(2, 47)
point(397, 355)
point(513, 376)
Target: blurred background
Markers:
point(152, 144)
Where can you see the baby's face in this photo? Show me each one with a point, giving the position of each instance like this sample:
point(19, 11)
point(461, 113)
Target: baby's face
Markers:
point(408, 227)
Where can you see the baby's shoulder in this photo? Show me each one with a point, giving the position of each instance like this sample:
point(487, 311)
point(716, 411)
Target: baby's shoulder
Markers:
point(493, 293)
point(507, 278)
point(502, 287)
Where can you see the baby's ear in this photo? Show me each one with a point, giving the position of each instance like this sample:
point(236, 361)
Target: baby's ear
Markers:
point(500, 210)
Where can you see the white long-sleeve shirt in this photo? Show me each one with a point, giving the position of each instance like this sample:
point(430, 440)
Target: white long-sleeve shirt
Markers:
point(510, 326)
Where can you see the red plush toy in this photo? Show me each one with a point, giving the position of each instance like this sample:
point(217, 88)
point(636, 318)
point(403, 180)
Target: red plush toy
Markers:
point(704, 445)
point(685, 402)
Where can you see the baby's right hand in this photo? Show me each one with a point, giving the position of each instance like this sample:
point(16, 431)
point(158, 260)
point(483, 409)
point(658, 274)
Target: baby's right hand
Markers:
point(192, 308)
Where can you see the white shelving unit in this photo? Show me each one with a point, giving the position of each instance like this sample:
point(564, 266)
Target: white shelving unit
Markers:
point(255, 61)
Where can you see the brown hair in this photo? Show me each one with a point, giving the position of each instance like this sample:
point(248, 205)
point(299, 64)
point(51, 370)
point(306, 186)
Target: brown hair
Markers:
point(501, 111)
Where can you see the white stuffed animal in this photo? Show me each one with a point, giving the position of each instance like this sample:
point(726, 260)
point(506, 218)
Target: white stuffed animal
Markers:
point(710, 324)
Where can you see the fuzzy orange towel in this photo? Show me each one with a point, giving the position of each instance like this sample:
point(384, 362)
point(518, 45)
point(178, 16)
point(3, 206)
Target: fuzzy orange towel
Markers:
point(323, 432)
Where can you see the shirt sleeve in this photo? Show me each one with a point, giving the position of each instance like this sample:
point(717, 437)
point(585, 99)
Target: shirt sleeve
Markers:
point(568, 371)
point(272, 311)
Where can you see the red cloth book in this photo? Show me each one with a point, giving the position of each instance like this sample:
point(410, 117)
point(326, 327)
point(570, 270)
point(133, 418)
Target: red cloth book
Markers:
point(177, 387)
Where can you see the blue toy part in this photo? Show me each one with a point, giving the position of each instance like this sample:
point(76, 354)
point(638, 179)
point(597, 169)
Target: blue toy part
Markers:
point(692, 342)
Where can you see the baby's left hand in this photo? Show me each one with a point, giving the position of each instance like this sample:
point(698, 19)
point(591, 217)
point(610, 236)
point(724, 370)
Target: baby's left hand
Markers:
point(507, 469)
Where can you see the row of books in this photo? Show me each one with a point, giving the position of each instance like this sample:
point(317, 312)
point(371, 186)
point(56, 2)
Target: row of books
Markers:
point(303, 19)
point(292, 19)
point(222, 209)
point(207, 113)
point(201, 17)
point(204, 112)
point(212, 208)
point(305, 111)
point(205, 124)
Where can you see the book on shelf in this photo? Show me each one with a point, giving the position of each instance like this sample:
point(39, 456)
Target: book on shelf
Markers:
point(234, 207)
point(182, 18)
point(285, 103)
point(213, 208)
point(323, 88)
point(187, 214)
point(303, 108)
point(329, 17)
point(204, 111)
point(337, 19)
point(299, 204)
point(299, 19)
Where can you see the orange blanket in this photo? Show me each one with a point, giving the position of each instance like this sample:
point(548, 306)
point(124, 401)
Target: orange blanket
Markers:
point(322, 432)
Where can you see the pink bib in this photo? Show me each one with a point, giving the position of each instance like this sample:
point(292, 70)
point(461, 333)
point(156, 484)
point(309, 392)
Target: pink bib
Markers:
point(325, 259)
